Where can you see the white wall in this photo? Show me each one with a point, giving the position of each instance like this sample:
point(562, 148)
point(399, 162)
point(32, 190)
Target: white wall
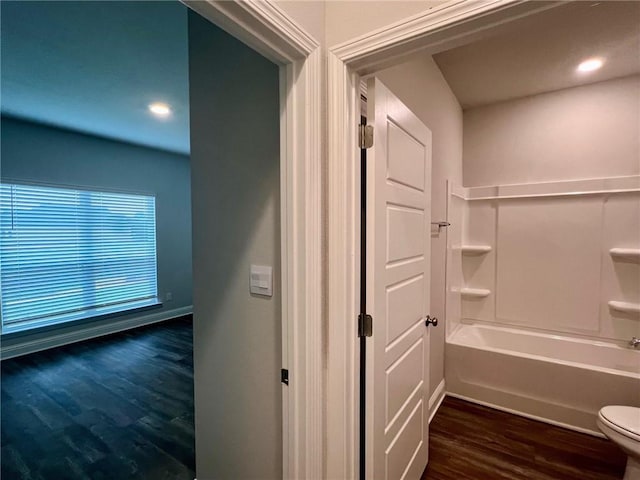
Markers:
point(235, 198)
point(349, 19)
point(337, 21)
point(421, 86)
point(36, 153)
point(550, 267)
point(562, 242)
point(309, 14)
point(419, 83)
point(576, 133)
point(220, 431)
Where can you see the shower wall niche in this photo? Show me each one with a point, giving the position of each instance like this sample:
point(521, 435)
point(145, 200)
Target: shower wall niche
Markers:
point(559, 257)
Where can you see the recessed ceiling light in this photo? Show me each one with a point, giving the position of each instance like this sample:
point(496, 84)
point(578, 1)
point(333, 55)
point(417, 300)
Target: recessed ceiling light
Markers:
point(160, 109)
point(590, 65)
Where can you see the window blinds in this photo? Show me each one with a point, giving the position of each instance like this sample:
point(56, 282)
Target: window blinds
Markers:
point(67, 250)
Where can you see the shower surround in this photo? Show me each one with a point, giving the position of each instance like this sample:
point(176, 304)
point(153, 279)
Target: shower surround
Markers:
point(543, 296)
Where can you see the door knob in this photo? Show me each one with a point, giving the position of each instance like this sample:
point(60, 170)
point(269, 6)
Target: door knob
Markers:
point(431, 321)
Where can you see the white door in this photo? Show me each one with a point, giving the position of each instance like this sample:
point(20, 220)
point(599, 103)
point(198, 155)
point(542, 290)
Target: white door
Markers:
point(397, 288)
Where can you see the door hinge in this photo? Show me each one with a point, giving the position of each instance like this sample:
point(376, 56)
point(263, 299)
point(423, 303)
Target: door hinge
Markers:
point(365, 136)
point(365, 325)
point(284, 376)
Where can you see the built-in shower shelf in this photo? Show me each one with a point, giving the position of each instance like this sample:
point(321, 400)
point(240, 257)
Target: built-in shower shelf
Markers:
point(628, 253)
point(475, 249)
point(475, 292)
point(625, 307)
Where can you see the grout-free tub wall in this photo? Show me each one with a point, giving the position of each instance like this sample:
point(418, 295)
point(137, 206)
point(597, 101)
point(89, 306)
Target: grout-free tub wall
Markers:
point(549, 264)
point(558, 257)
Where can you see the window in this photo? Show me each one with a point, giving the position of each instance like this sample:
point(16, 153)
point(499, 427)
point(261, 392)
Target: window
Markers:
point(68, 254)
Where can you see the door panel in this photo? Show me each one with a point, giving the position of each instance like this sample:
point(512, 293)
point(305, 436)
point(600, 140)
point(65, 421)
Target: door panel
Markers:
point(406, 446)
point(404, 159)
point(403, 378)
point(404, 233)
point(403, 298)
point(397, 288)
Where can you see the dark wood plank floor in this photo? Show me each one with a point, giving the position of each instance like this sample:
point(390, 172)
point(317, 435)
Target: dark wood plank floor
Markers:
point(468, 441)
point(119, 407)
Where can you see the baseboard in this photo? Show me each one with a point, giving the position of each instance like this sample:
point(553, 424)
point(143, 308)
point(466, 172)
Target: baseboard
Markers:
point(436, 399)
point(527, 415)
point(88, 332)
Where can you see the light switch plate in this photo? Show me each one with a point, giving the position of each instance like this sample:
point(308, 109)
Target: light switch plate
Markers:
point(261, 280)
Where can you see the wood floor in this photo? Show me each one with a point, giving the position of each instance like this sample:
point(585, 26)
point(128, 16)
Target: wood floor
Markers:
point(121, 408)
point(468, 441)
point(117, 408)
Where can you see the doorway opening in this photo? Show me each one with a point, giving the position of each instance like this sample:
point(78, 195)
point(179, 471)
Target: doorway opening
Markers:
point(290, 57)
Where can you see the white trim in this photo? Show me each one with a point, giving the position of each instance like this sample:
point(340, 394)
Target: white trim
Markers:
point(288, 417)
point(592, 186)
point(89, 331)
point(264, 27)
point(436, 399)
point(343, 271)
point(302, 267)
point(442, 27)
point(261, 25)
point(527, 415)
point(437, 29)
point(311, 309)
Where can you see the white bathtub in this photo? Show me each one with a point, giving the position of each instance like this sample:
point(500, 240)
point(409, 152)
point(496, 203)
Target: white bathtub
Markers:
point(556, 379)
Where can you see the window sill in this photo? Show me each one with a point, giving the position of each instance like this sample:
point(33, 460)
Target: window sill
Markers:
point(84, 316)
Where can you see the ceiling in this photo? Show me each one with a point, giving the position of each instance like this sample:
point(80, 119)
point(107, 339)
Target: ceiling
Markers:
point(540, 53)
point(95, 66)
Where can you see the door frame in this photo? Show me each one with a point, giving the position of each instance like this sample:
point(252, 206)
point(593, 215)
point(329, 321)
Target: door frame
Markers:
point(267, 29)
point(448, 25)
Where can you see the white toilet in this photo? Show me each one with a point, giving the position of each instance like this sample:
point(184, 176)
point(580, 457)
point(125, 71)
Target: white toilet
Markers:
point(622, 426)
